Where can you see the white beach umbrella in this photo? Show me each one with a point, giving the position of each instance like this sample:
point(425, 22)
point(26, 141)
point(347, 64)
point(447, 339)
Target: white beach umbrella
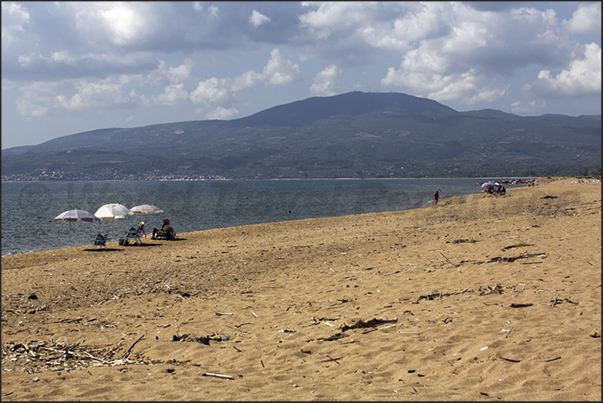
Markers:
point(73, 216)
point(112, 211)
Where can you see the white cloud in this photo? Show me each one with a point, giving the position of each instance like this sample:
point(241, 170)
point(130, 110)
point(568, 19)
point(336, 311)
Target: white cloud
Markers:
point(530, 107)
point(15, 19)
point(246, 80)
point(41, 98)
point(37, 99)
point(212, 11)
point(256, 19)
point(174, 94)
point(324, 82)
point(180, 73)
point(70, 57)
point(583, 77)
point(280, 71)
point(213, 91)
point(333, 16)
point(99, 94)
point(585, 20)
point(123, 21)
point(222, 113)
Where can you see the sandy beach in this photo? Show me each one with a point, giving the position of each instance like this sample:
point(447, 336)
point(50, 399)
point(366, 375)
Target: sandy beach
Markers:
point(475, 298)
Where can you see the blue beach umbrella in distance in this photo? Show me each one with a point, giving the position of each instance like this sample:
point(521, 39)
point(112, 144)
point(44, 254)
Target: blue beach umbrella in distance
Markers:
point(73, 216)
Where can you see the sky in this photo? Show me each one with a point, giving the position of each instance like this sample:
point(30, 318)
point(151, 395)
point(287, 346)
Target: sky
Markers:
point(70, 67)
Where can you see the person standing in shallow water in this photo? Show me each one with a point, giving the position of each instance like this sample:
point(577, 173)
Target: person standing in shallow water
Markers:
point(436, 196)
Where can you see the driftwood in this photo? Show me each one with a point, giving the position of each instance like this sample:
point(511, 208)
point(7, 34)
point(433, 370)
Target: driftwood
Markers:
point(128, 351)
point(512, 259)
point(448, 260)
point(331, 359)
point(509, 359)
point(463, 240)
point(55, 355)
point(439, 295)
point(217, 375)
point(520, 305)
point(371, 323)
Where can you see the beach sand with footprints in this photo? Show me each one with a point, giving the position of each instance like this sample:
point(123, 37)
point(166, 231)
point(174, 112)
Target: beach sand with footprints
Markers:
point(475, 298)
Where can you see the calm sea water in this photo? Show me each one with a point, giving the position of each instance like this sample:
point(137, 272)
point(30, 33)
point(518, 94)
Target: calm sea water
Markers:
point(29, 208)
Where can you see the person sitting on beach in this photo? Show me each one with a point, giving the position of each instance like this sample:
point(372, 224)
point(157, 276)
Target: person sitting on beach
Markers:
point(166, 230)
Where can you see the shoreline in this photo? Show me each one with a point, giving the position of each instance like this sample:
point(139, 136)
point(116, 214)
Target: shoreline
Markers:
point(418, 205)
point(474, 298)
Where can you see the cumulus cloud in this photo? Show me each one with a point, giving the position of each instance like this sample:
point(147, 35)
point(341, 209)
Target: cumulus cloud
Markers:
point(37, 99)
point(42, 98)
point(222, 113)
point(325, 81)
point(256, 19)
point(211, 11)
point(61, 57)
point(101, 93)
point(585, 20)
point(527, 107)
point(211, 91)
point(15, 20)
point(173, 94)
point(460, 58)
point(280, 71)
point(246, 80)
point(582, 77)
point(123, 22)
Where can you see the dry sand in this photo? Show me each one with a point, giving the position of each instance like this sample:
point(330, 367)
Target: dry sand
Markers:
point(475, 298)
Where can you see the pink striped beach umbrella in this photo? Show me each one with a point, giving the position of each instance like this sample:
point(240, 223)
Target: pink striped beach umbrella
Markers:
point(146, 209)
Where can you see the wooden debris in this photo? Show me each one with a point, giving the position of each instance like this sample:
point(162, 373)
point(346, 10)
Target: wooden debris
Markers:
point(440, 295)
point(331, 359)
point(218, 375)
point(371, 323)
point(552, 359)
point(46, 356)
point(509, 359)
point(555, 301)
point(448, 260)
point(463, 240)
point(128, 351)
point(489, 290)
point(520, 305)
point(512, 259)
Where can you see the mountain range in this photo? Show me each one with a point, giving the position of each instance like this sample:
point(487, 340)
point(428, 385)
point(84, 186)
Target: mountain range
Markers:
point(352, 135)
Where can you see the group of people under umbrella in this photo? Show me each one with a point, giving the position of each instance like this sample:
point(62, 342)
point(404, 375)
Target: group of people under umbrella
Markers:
point(111, 211)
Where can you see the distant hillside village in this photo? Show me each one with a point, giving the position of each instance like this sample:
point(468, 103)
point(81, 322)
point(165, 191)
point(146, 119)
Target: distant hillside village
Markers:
point(81, 176)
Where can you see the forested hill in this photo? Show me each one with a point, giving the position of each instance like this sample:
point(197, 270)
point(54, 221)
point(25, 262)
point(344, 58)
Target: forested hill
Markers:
point(353, 135)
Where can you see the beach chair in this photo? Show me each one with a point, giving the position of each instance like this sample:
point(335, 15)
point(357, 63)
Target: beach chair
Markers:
point(135, 233)
point(100, 241)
